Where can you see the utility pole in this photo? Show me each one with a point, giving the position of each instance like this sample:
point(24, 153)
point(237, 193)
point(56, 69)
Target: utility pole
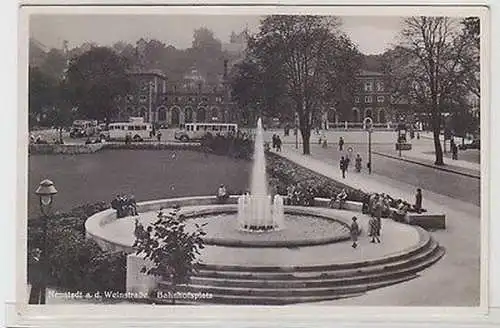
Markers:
point(150, 116)
point(368, 124)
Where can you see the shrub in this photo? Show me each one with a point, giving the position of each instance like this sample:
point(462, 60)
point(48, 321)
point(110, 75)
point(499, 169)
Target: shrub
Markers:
point(75, 262)
point(170, 248)
point(235, 146)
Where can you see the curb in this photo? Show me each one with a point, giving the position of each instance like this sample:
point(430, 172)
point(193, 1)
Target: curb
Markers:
point(428, 165)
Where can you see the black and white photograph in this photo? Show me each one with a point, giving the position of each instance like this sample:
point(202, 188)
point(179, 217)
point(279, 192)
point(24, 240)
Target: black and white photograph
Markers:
point(309, 157)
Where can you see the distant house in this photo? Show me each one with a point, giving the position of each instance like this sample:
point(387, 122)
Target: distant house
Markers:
point(371, 98)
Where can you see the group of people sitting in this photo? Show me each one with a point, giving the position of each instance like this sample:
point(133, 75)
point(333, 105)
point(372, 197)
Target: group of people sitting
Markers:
point(385, 206)
point(124, 206)
point(338, 201)
point(222, 194)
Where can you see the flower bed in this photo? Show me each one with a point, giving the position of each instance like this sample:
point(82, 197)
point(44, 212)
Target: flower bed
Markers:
point(307, 184)
point(75, 263)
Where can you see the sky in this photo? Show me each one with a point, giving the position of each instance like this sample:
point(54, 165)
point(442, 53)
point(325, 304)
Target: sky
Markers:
point(371, 34)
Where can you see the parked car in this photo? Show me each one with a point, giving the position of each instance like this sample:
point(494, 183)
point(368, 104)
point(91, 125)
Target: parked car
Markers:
point(475, 144)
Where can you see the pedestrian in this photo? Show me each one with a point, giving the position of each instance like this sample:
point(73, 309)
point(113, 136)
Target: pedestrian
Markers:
point(158, 136)
point(347, 162)
point(343, 167)
point(274, 141)
point(358, 163)
point(454, 150)
point(278, 143)
point(341, 143)
point(354, 232)
point(378, 220)
point(373, 230)
point(418, 200)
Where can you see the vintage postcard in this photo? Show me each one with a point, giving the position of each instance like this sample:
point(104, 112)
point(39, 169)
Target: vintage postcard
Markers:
point(325, 156)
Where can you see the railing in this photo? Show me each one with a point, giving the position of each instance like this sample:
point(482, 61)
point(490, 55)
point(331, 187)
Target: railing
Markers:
point(360, 126)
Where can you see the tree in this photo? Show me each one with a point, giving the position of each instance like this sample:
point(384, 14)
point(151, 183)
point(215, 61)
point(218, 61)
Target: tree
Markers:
point(54, 64)
point(204, 39)
point(309, 58)
point(127, 51)
point(430, 66)
point(470, 59)
point(259, 92)
point(206, 54)
point(41, 94)
point(170, 247)
point(94, 80)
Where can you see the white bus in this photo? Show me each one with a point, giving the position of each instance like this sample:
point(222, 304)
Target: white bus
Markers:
point(196, 131)
point(136, 128)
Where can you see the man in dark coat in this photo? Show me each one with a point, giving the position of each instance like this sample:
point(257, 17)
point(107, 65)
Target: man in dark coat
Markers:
point(418, 200)
point(343, 166)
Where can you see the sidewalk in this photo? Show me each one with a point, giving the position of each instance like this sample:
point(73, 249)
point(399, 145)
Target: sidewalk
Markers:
point(416, 157)
point(461, 239)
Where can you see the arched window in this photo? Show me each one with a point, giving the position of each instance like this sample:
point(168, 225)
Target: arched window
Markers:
point(162, 114)
point(201, 114)
point(355, 115)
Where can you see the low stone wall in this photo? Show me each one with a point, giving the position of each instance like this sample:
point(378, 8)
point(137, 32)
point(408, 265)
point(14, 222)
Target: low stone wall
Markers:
point(349, 205)
point(56, 149)
point(431, 221)
point(427, 220)
point(76, 149)
point(94, 226)
point(153, 146)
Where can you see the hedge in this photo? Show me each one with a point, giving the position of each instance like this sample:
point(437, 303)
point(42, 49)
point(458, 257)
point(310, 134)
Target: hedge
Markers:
point(75, 263)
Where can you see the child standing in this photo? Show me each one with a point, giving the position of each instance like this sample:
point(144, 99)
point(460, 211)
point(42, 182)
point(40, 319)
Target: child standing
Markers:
point(354, 232)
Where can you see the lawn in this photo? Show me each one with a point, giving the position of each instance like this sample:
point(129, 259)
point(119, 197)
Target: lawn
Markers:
point(146, 174)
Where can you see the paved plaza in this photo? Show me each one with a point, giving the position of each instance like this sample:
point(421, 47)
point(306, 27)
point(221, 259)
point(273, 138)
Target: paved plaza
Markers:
point(461, 239)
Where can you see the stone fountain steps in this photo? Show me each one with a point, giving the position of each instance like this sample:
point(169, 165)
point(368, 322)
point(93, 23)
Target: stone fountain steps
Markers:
point(288, 296)
point(426, 243)
point(294, 285)
point(338, 287)
point(320, 279)
point(322, 274)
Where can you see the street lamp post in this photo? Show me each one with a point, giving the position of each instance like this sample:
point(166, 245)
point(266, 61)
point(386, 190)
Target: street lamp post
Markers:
point(368, 122)
point(45, 192)
point(150, 114)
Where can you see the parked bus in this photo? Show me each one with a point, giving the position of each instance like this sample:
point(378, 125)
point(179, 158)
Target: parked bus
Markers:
point(196, 131)
point(136, 128)
point(83, 128)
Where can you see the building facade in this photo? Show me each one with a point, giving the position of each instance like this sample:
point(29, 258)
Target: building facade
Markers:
point(175, 103)
point(371, 99)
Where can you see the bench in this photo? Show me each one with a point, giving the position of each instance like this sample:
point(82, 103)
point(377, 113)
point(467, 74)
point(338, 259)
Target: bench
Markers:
point(348, 205)
point(426, 220)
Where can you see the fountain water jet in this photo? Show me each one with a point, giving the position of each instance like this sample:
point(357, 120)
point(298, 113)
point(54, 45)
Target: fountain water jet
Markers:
point(256, 211)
